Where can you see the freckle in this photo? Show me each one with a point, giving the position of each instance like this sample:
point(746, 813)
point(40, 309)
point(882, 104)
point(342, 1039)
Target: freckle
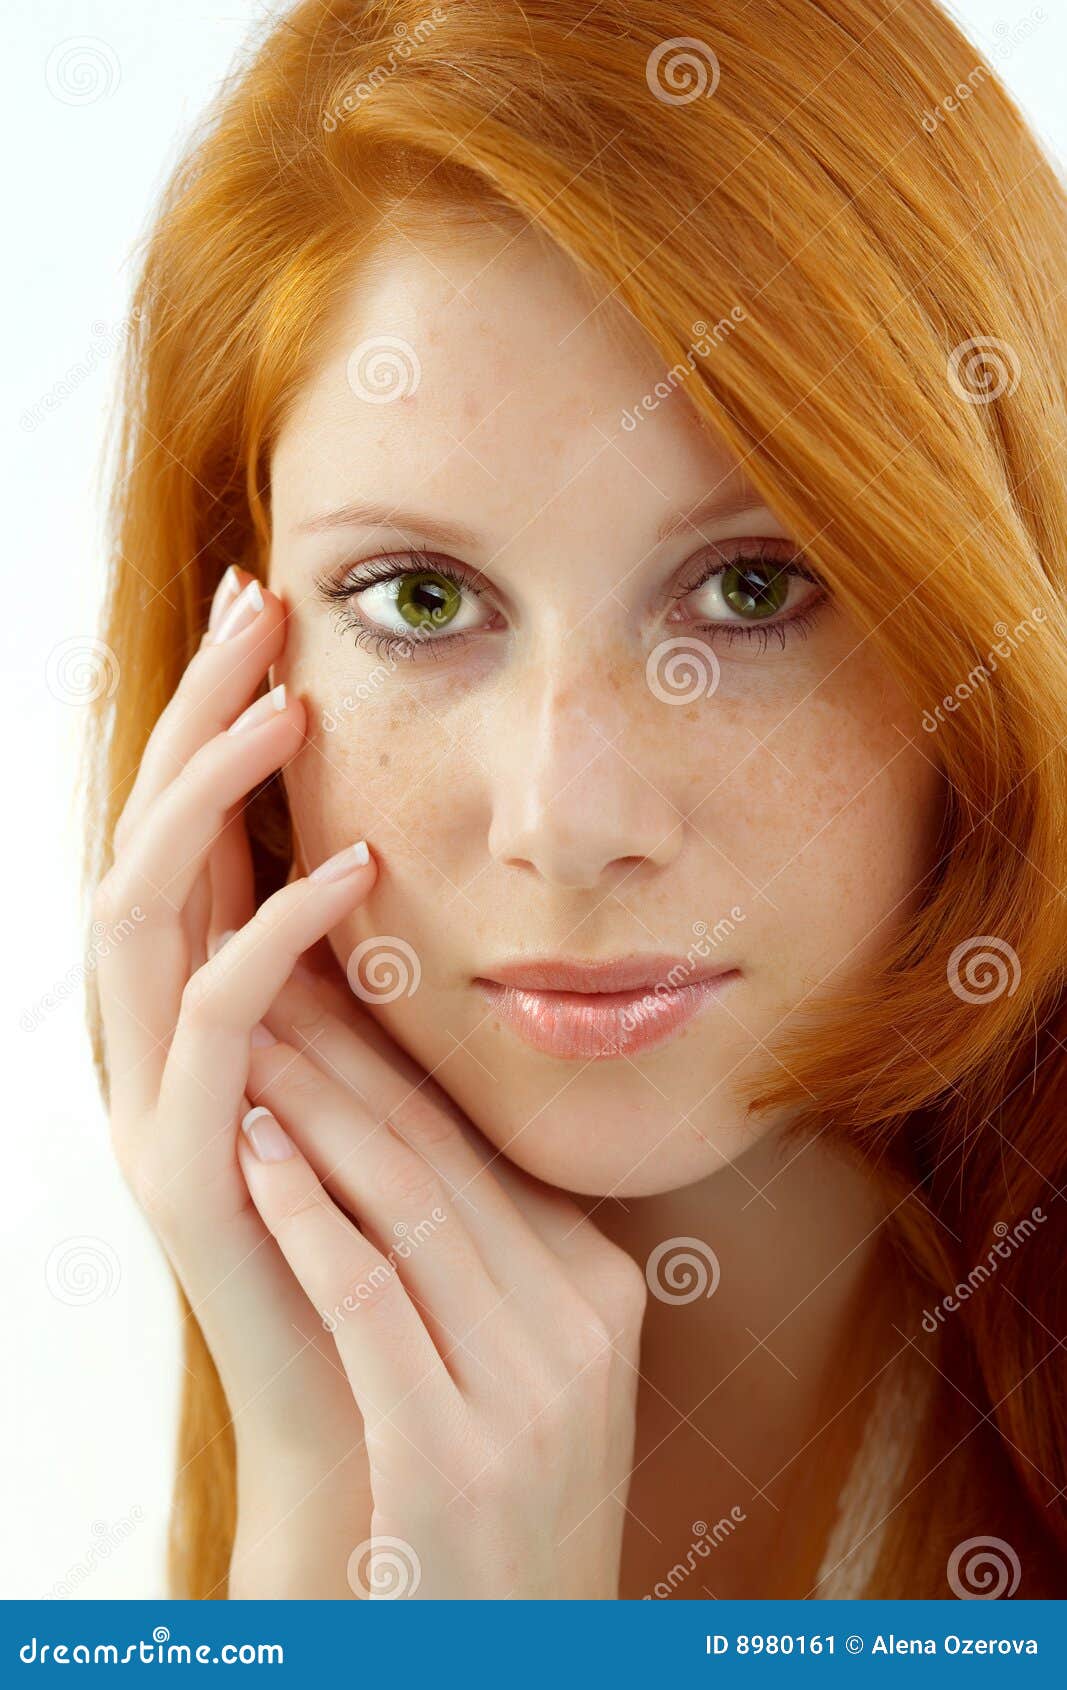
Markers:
point(383, 760)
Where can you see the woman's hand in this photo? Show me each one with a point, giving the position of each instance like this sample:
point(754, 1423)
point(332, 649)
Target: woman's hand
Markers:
point(488, 1331)
point(177, 1028)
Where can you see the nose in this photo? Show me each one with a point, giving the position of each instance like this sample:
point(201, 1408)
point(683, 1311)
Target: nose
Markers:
point(573, 794)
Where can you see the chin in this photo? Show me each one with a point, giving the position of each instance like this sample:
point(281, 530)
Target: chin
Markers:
point(608, 1135)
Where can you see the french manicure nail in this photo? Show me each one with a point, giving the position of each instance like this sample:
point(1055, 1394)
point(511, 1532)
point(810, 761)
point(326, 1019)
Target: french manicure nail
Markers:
point(225, 593)
point(242, 612)
point(270, 1142)
point(344, 863)
point(261, 711)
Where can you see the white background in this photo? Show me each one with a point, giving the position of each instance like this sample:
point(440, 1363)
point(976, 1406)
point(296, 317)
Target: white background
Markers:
point(89, 1409)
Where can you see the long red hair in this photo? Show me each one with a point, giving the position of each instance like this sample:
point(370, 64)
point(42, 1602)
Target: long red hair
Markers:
point(892, 257)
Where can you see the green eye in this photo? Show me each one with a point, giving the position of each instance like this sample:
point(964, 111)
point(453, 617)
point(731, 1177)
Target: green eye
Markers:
point(428, 600)
point(756, 590)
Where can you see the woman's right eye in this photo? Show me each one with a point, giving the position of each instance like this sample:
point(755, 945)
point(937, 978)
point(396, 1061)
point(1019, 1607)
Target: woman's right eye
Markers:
point(403, 607)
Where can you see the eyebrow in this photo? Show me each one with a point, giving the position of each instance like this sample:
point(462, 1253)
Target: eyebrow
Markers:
point(724, 502)
point(389, 516)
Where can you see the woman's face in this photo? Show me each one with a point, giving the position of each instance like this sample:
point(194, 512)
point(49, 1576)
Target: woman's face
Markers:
point(738, 819)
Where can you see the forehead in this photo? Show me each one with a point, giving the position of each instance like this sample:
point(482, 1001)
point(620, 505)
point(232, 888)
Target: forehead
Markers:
point(484, 369)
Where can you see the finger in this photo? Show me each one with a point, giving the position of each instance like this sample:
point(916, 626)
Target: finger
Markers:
point(141, 980)
point(387, 1353)
point(207, 1065)
point(396, 1198)
point(517, 1222)
point(231, 880)
point(219, 681)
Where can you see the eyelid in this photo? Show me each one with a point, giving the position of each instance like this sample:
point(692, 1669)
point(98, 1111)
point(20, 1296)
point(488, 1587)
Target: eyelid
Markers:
point(712, 560)
point(353, 576)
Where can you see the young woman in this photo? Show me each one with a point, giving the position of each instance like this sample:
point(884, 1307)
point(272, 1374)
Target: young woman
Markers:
point(588, 1024)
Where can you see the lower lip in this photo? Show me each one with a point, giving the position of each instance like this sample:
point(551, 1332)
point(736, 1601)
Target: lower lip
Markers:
point(592, 1026)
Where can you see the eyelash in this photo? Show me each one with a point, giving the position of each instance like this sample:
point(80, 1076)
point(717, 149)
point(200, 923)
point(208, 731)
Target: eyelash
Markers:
point(341, 594)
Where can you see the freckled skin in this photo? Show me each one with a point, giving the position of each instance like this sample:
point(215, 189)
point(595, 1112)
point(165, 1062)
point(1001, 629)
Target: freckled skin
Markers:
point(526, 792)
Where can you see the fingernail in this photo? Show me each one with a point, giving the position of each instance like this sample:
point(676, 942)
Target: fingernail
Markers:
point(262, 1035)
point(219, 940)
point(225, 593)
point(345, 862)
point(270, 1142)
point(261, 711)
point(242, 612)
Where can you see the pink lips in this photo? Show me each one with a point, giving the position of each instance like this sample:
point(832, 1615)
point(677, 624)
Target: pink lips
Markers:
point(581, 1011)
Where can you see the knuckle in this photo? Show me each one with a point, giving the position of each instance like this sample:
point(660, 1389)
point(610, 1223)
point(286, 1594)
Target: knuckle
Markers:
point(625, 1289)
point(198, 995)
point(375, 1288)
point(108, 899)
point(407, 1182)
point(424, 1119)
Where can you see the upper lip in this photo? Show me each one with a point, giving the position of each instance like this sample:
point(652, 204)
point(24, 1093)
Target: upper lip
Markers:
point(614, 974)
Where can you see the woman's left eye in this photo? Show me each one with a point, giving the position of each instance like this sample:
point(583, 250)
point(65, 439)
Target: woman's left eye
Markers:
point(752, 592)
